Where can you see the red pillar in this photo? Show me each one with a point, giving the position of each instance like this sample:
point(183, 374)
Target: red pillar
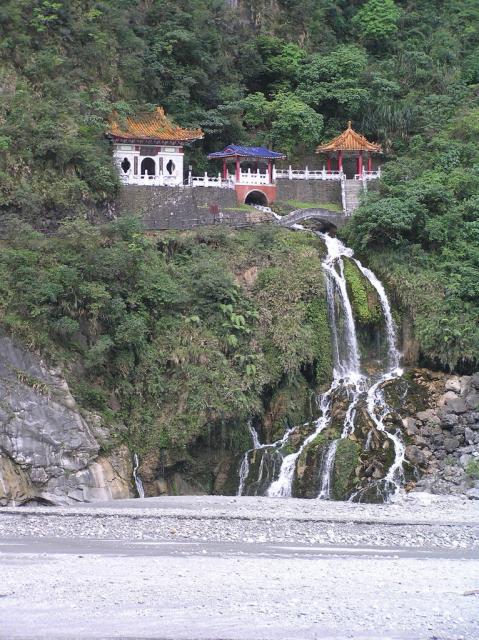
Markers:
point(328, 164)
point(225, 169)
point(360, 163)
point(340, 160)
point(237, 170)
point(270, 171)
point(370, 163)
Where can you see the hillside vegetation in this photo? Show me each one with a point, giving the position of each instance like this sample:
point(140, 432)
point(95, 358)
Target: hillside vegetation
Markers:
point(275, 72)
point(169, 337)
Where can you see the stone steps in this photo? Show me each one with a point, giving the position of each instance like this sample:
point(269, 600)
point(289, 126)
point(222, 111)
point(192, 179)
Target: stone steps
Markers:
point(353, 190)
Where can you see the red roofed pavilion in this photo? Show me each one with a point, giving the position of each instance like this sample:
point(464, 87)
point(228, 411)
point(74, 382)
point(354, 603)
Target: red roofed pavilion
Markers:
point(349, 143)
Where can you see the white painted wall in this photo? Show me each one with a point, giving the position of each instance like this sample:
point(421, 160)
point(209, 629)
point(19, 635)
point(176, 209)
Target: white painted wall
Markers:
point(130, 152)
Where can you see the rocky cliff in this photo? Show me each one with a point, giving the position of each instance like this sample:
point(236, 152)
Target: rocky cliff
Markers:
point(49, 452)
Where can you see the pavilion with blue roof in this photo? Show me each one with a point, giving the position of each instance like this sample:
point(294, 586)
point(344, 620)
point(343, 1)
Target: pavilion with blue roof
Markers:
point(260, 172)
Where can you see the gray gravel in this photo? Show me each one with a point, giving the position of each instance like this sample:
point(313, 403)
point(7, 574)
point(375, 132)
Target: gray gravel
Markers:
point(419, 521)
point(211, 568)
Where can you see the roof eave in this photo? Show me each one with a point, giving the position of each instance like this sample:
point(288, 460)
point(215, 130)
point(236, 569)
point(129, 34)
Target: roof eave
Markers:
point(138, 140)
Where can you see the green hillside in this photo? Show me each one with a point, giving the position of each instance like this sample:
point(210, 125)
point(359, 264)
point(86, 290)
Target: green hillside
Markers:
point(284, 73)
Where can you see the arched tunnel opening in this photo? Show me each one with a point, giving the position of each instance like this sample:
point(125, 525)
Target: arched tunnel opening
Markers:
point(321, 225)
point(325, 226)
point(256, 197)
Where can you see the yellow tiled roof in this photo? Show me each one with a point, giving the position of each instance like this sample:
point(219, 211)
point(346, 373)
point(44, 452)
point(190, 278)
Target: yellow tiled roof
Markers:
point(349, 140)
point(151, 126)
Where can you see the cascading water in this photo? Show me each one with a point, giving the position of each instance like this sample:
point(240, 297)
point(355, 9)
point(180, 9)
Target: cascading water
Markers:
point(349, 381)
point(270, 457)
point(136, 477)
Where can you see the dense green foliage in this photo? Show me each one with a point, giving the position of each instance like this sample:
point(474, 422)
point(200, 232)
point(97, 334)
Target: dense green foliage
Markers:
point(169, 336)
point(284, 73)
point(420, 233)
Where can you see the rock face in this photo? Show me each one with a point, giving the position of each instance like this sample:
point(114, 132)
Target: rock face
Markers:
point(48, 451)
point(444, 437)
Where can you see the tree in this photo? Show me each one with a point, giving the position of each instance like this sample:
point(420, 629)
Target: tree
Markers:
point(332, 83)
point(377, 20)
point(285, 122)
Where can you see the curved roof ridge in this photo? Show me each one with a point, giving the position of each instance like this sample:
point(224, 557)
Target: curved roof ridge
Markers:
point(150, 125)
point(349, 140)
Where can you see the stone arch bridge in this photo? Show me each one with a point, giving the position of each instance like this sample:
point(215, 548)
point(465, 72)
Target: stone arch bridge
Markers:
point(328, 220)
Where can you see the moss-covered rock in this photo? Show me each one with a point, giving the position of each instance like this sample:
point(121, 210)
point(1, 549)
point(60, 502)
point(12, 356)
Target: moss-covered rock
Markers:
point(363, 296)
point(291, 404)
point(344, 475)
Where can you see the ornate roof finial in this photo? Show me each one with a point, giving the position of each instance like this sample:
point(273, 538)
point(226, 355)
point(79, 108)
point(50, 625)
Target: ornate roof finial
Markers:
point(350, 123)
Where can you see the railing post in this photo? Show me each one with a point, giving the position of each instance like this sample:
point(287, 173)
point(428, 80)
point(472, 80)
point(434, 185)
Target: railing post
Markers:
point(219, 178)
point(190, 179)
point(290, 173)
point(323, 173)
point(249, 176)
point(205, 179)
point(306, 174)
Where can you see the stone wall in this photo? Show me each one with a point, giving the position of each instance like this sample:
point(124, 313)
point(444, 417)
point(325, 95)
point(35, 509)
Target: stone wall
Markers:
point(317, 191)
point(443, 437)
point(186, 207)
point(180, 207)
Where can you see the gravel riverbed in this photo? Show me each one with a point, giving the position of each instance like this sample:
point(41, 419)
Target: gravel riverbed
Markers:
point(219, 568)
point(414, 521)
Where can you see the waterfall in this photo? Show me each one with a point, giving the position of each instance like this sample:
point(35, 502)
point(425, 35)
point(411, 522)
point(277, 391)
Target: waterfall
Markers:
point(245, 466)
point(327, 471)
point(393, 353)
point(283, 486)
point(349, 380)
point(136, 477)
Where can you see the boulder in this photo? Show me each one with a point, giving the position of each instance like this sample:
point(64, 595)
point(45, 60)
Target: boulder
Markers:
point(429, 416)
point(415, 456)
point(472, 400)
point(475, 380)
point(411, 426)
point(456, 405)
point(451, 444)
point(449, 420)
point(469, 436)
point(465, 459)
point(458, 430)
point(453, 384)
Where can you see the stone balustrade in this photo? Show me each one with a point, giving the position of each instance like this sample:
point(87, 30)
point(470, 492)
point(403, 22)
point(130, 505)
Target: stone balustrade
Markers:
point(245, 178)
point(368, 175)
point(307, 174)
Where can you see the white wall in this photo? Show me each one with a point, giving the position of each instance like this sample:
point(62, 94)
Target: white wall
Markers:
point(129, 151)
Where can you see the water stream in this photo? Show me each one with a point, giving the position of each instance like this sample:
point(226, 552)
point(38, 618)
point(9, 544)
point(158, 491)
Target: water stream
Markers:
point(351, 382)
point(136, 477)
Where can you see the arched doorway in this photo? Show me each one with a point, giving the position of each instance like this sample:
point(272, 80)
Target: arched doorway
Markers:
point(147, 167)
point(256, 197)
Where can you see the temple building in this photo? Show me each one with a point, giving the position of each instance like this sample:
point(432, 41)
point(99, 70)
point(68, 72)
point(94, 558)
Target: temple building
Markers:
point(148, 148)
point(347, 145)
point(253, 173)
